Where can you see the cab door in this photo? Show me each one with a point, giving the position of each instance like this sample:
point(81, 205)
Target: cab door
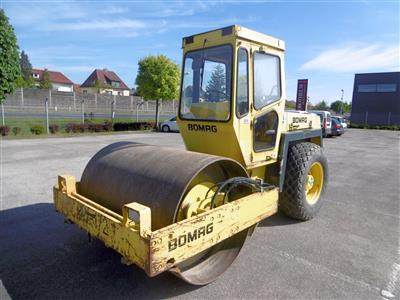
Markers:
point(268, 103)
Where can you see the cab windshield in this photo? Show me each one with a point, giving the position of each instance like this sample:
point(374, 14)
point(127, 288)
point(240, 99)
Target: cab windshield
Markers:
point(206, 84)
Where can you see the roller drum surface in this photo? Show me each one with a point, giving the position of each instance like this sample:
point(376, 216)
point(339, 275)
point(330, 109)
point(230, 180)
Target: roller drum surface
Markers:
point(159, 177)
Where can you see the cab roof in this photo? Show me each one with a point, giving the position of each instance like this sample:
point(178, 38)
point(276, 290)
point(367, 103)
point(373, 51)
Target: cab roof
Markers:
point(238, 32)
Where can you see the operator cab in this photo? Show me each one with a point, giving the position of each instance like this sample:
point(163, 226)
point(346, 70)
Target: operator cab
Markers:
point(232, 94)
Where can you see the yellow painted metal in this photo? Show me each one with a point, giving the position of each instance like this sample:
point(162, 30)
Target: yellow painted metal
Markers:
point(197, 200)
point(219, 109)
point(233, 138)
point(157, 251)
point(293, 121)
point(314, 183)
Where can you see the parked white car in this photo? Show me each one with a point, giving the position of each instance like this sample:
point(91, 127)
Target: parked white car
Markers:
point(169, 125)
point(326, 123)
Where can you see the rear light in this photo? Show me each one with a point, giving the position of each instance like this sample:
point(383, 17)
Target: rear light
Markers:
point(337, 126)
point(324, 123)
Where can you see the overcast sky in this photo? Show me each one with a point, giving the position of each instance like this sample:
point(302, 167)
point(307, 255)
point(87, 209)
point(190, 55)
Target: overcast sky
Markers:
point(326, 41)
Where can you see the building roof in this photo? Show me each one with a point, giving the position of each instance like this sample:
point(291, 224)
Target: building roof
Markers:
point(77, 87)
point(106, 77)
point(56, 77)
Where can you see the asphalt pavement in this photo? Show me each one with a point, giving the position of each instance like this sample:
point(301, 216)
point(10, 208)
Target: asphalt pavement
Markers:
point(349, 251)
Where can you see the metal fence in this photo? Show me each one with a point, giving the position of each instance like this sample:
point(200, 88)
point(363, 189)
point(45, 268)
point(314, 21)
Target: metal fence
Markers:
point(34, 99)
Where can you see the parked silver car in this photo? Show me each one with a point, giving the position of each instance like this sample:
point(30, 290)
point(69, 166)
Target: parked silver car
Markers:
point(169, 125)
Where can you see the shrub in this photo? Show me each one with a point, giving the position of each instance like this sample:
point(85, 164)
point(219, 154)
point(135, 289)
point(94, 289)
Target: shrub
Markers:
point(37, 129)
point(54, 128)
point(16, 130)
point(132, 126)
point(108, 126)
point(4, 130)
point(366, 126)
point(95, 127)
point(76, 127)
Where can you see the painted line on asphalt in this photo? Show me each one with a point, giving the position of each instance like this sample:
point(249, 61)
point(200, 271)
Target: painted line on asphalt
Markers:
point(367, 210)
point(392, 288)
point(325, 270)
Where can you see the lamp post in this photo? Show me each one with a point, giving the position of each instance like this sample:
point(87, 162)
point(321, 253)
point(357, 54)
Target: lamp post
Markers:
point(341, 102)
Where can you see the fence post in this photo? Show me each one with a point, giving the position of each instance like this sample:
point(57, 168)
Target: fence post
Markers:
point(131, 102)
point(95, 101)
point(46, 105)
point(173, 105)
point(83, 111)
point(22, 97)
point(2, 114)
point(50, 97)
point(366, 117)
point(137, 111)
point(74, 101)
point(113, 110)
point(389, 117)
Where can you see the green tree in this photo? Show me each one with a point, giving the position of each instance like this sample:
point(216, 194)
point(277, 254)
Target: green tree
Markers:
point(346, 107)
point(158, 78)
point(9, 59)
point(44, 82)
point(98, 86)
point(26, 79)
point(321, 106)
point(340, 107)
point(26, 69)
point(216, 86)
point(289, 104)
point(337, 106)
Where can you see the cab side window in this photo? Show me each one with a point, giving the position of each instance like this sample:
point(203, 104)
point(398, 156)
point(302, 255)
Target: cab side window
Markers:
point(265, 129)
point(267, 84)
point(242, 88)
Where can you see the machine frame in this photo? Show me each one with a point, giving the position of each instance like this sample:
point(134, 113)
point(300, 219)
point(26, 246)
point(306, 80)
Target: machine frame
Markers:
point(130, 234)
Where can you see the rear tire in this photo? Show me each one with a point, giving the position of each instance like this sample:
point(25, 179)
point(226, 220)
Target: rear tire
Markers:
point(165, 128)
point(305, 181)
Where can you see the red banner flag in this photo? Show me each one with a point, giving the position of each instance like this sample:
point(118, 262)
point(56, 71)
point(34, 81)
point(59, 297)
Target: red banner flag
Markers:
point(301, 99)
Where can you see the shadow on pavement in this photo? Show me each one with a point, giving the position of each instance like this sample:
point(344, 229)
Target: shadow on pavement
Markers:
point(44, 258)
point(278, 219)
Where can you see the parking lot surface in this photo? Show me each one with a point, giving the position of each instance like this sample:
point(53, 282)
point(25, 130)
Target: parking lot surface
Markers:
point(349, 251)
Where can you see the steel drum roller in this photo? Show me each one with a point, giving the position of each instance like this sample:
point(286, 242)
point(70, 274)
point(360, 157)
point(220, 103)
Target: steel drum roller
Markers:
point(160, 177)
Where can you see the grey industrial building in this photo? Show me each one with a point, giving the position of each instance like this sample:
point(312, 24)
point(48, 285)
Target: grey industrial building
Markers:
point(376, 99)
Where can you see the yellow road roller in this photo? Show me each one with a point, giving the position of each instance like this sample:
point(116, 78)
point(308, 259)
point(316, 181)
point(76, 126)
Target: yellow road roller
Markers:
point(190, 212)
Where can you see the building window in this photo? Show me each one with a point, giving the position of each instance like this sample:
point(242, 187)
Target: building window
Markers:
point(115, 84)
point(35, 75)
point(367, 88)
point(119, 94)
point(267, 85)
point(386, 87)
point(377, 88)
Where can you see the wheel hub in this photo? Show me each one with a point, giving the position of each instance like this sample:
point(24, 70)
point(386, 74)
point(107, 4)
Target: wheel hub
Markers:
point(310, 182)
point(314, 183)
